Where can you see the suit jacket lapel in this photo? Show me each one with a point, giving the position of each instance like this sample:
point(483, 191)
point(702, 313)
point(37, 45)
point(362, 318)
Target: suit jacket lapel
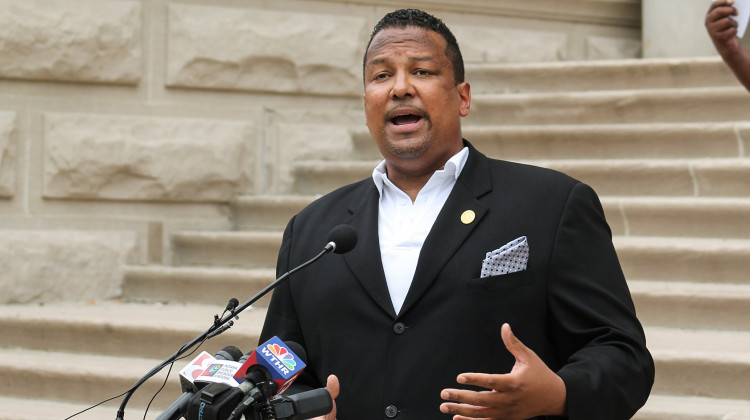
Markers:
point(365, 260)
point(449, 232)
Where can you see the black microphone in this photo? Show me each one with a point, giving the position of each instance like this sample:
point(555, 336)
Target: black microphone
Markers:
point(177, 409)
point(232, 304)
point(305, 405)
point(341, 239)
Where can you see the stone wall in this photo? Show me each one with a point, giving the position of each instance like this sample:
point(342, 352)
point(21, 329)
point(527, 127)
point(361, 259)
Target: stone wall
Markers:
point(122, 121)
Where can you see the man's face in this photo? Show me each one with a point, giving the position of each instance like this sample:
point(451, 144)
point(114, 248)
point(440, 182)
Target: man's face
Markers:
point(412, 103)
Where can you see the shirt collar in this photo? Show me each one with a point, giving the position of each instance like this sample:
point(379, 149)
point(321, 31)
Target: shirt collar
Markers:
point(453, 166)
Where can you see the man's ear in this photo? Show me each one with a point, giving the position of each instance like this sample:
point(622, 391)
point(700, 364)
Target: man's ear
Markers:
point(464, 96)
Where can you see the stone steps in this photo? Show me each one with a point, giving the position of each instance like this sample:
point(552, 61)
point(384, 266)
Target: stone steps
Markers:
point(237, 249)
point(16, 408)
point(82, 354)
point(709, 104)
point(120, 329)
point(709, 260)
point(687, 259)
point(702, 217)
point(609, 177)
point(670, 407)
point(700, 362)
point(683, 356)
point(203, 285)
point(638, 216)
point(657, 73)
point(702, 305)
point(596, 141)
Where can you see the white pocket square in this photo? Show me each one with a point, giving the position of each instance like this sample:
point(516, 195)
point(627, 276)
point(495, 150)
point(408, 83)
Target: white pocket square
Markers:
point(509, 258)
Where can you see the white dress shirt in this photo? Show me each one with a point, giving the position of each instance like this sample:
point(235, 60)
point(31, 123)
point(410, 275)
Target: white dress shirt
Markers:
point(403, 226)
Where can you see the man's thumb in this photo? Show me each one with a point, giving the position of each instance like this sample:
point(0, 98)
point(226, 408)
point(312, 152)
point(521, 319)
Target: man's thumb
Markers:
point(513, 344)
point(332, 386)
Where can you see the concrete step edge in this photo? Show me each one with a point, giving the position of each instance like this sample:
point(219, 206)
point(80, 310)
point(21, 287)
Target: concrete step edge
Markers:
point(706, 342)
point(196, 272)
point(658, 94)
point(673, 407)
point(181, 317)
point(739, 246)
point(693, 290)
point(18, 408)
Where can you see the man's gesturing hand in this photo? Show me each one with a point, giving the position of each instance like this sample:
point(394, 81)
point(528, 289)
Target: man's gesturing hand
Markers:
point(530, 389)
point(722, 28)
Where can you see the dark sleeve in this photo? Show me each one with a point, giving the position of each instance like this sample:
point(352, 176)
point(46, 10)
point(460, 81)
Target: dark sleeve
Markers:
point(607, 369)
point(281, 317)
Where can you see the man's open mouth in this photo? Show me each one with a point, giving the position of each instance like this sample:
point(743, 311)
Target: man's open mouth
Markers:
point(405, 119)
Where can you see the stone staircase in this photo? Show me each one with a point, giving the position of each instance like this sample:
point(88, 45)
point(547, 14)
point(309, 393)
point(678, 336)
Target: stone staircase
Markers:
point(664, 143)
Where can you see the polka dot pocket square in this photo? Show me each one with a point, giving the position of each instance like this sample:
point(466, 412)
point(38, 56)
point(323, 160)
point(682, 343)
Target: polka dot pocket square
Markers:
point(510, 258)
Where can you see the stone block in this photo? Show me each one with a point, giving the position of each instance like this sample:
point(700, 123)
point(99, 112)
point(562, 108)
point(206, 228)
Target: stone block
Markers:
point(482, 45)
point(7, 154)
point(81, 41)
point(604, 48)
point(63, 265)
point(261, 50)
point(142, 158)
point(310, 142)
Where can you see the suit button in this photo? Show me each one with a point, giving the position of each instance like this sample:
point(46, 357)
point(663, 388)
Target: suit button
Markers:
point(399, 328)
point(391, 411)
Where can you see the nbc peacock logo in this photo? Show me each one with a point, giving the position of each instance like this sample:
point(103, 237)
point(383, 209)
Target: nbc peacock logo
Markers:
point(283, 355)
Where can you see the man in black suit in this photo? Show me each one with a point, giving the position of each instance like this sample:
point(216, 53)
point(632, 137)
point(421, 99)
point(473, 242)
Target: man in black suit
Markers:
point(454, 249)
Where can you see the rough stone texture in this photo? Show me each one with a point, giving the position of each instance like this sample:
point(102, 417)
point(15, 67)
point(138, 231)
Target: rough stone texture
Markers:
point(141, 158)
point(82, 40)
point(7, 154)
point(310, 142)
point(245, 49)
point(510, 46)
point(603, 48)
point(47, 266)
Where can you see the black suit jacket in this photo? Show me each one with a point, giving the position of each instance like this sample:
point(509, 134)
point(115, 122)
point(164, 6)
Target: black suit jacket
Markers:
point(571, 305)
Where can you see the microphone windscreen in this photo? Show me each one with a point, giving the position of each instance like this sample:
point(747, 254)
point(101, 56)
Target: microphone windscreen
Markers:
point(233, 304)
point(345, 238)
point(229, 353)
point(297, 349)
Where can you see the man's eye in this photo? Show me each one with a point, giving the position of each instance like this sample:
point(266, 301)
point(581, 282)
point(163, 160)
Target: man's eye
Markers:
point(380, 76)
point(423, 72)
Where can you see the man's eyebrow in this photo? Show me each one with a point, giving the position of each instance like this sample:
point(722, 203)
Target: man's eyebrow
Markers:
point(385, 59)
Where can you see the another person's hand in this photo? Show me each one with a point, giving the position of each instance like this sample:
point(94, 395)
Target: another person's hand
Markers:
point(722, 28)
point(332, 385)
point(530, 389)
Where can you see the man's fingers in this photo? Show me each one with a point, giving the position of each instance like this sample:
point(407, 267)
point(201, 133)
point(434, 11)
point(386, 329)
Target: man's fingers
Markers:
point(496, 382)
point(467, 411)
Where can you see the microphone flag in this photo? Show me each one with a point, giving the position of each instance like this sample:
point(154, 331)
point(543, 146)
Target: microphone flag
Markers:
point(208, 369)
point(283, 365)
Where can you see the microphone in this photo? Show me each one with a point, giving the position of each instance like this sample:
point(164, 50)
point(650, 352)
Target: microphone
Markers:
point(232, 305)
point(341, 239)
point(305, 405)
point(200, 363)
point(269, 369)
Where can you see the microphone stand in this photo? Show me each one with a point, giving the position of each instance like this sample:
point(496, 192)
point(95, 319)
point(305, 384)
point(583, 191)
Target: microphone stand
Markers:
point(220, 325)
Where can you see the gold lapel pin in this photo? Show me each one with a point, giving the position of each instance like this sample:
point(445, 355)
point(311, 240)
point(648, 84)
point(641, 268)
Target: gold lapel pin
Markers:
point(467, 217)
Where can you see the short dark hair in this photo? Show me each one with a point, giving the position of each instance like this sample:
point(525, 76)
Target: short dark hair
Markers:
point(403, 18)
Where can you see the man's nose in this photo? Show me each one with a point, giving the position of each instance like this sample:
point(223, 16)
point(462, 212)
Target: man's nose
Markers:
point(402, 87)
